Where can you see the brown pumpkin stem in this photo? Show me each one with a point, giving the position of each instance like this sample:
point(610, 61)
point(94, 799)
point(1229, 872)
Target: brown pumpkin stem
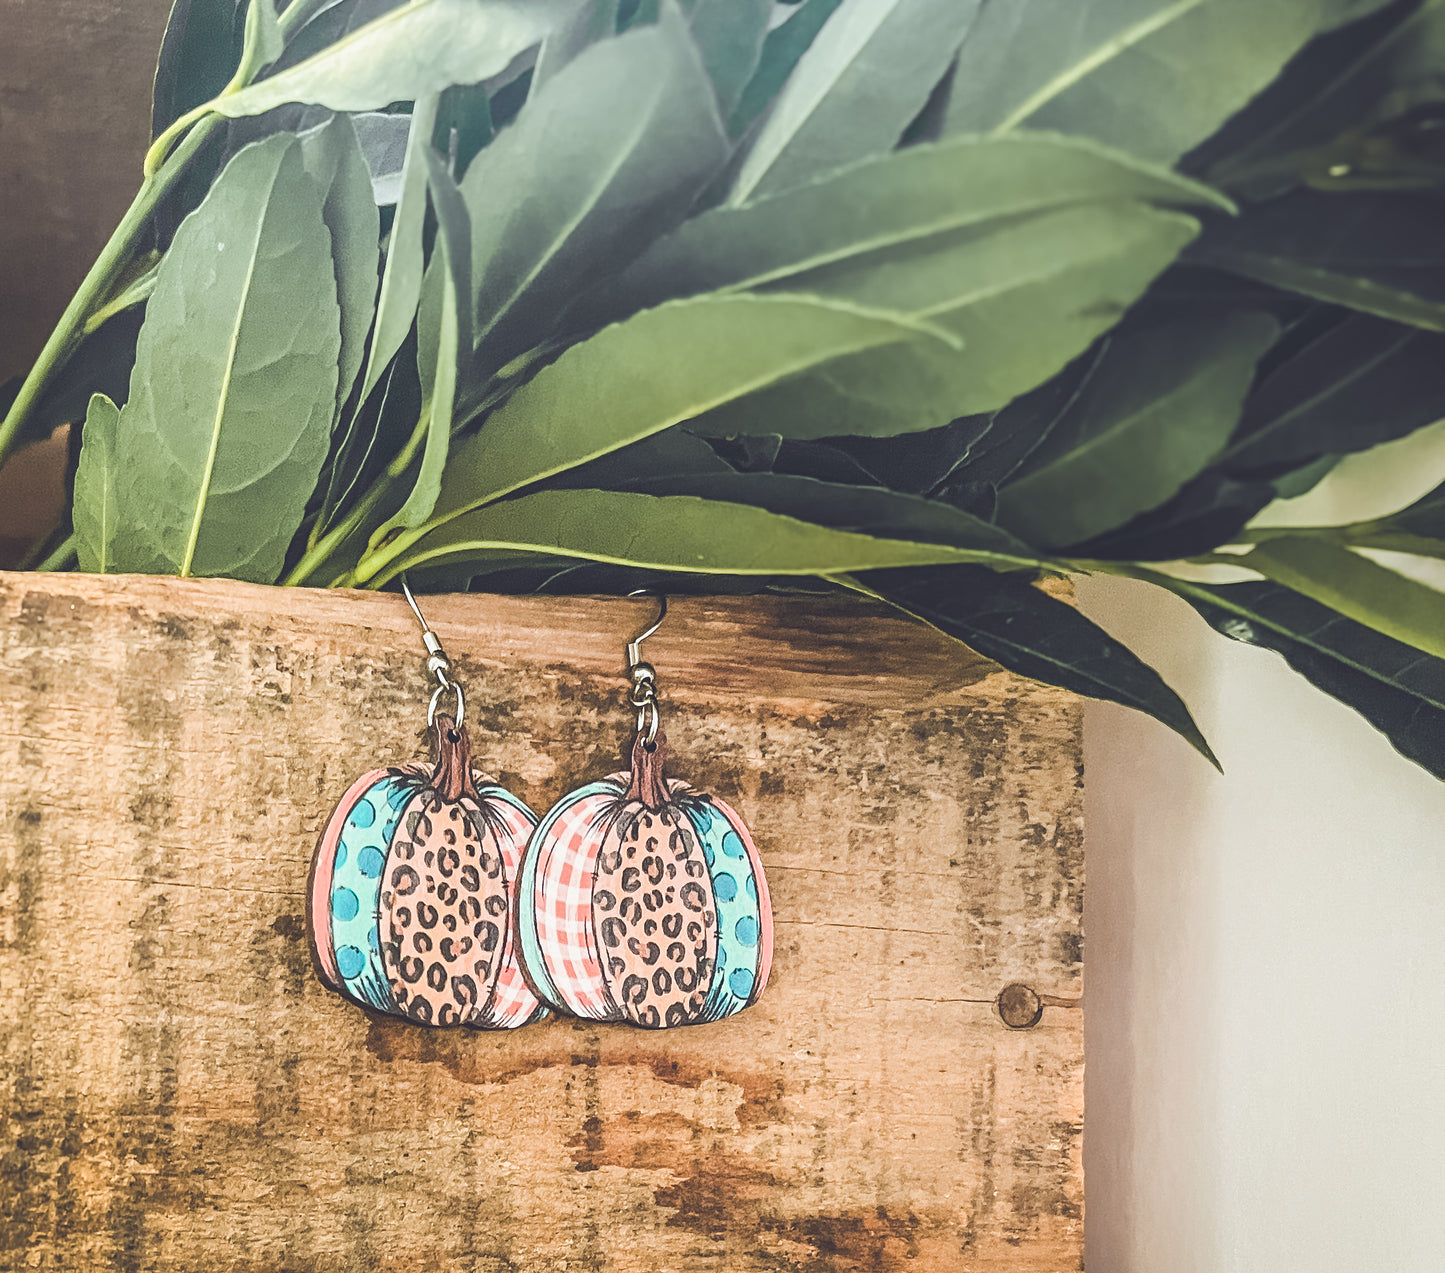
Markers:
point(452, 776)
point(649, 783)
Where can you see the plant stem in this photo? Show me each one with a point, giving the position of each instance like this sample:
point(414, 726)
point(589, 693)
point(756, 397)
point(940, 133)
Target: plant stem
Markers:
point(95, 287)
point(61, 557)
point(317, 555)
point(160, 173)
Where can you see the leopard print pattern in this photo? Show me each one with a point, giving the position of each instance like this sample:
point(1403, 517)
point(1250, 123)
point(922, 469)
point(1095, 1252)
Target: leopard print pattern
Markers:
point(655, 917)
point(444, 912)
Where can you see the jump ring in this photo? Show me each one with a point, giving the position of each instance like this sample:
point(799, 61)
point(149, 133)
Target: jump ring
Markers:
point(456, 689)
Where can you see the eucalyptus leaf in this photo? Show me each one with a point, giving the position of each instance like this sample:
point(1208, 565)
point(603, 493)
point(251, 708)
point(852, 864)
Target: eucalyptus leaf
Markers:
point(861, 81)
point(667, 532)
point(1160, 407)
point(1023, 295)
point(94, 511)
point(633, 380)
point(884, 202)
point(407, 53)
point(1004, 617)
point(1356, 587)
point(334, 158)
point(1154, 77)
point(401, 277)
point(1362, 382)
point(782, 47)
point(1395, 687)
point(231, 399)
point(1377, 253)
point(571, 191)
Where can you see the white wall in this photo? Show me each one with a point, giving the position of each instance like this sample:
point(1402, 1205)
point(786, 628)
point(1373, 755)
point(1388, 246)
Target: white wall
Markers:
point(1265, 953)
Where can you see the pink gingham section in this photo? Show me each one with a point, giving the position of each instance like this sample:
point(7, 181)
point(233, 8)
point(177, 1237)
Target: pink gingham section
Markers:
point(566, 868)
point(512, 1003)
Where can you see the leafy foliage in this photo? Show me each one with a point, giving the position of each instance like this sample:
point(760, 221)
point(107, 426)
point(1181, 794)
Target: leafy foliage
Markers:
point(921, 298)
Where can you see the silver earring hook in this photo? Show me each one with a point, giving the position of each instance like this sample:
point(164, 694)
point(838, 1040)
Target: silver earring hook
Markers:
point(634, 647)
point(437, 663)
point(643, 696)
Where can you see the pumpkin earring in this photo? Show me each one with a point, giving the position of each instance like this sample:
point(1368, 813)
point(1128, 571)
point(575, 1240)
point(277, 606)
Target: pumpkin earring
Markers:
point(640, 899)
point(409, 902)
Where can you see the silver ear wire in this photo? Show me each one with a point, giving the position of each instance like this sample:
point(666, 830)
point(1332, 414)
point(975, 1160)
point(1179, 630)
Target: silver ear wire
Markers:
point(643, 694)
point(437, 663)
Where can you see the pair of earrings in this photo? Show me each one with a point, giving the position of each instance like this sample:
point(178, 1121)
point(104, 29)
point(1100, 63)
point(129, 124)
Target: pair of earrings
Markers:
point(437, 895)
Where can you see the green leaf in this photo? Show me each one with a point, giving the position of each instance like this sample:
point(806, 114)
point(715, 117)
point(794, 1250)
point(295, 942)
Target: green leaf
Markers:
point(200, 51)
point(401, 278)
point(1006, 618)
point(888, 201)
point(1024, 296)
point(571, 191)
point(263, 40)
point(408, 53)
point(1371, 486)
point(1362, 382)
point(1153, 77)
point(234, 386)
point(1355, 586)
point(133, 288)
point(782, 47)
point(864, 77)
point(332, 155)
point(730, 35)
point(633, 380)
point(1395, 687)
point(93, 508)
point(1379, 253)
point(870, 510)
point(1157, 410)
point(443, 331)
point(667, 532)
point(1389, 69)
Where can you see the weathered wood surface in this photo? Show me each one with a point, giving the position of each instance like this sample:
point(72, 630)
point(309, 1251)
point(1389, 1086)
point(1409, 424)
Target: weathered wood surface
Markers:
point(180, 1092)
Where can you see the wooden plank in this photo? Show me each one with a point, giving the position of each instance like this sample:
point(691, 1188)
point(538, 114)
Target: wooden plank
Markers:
point(180, 1092)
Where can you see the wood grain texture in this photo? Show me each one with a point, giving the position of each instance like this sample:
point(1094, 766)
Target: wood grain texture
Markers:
point(180, 1092)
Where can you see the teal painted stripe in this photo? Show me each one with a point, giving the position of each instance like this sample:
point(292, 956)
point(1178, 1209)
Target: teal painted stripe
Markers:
point(735, 894)
point(529, 945)
point(356, 888)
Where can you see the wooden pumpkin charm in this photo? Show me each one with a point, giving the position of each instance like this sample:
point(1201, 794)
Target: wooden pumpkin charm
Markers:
point(410, 897)
point(642, 900)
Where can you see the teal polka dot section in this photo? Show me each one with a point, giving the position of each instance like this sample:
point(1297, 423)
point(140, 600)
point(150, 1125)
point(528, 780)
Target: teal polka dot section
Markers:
point(350, 961)
point(356, 887)
point(363, 814)
point(736, 900)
